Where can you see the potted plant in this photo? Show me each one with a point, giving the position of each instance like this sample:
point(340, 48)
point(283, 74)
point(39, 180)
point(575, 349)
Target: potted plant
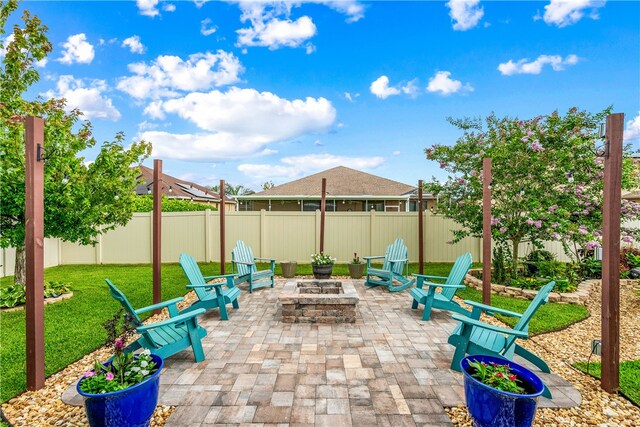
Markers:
point(500, 392)
point(123, 391)
point(288, 269)
point(322, 265)
point(356, 267)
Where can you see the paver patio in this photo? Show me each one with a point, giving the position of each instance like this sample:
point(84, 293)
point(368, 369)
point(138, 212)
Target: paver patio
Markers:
point(389, 368)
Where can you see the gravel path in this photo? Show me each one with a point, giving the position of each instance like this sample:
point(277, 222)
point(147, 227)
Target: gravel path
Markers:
point(563, 348)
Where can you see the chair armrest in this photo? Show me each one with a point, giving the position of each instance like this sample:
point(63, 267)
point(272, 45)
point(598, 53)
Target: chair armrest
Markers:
point(265, 259)
point(373, 257)
point(442, 285)
point(244, 262)
point(490, 310)
point(178, 319)
point(498, 329)
point(206, 285)
point(159, 305)
point(222, 276)
point(399, 260)
point(426, 276)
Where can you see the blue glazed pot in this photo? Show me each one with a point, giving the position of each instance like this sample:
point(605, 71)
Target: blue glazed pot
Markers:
point(131, 407)
point(490, 407)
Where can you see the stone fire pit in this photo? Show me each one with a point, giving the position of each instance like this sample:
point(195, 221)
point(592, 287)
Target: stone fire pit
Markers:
point(319, 301)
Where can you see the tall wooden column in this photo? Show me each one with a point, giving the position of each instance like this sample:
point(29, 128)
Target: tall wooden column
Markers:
point(420, 230)
point(34, 250)
point(486, 231)
point(221, 208)
point(157, 232)
point(611, 253)
point(323, 208)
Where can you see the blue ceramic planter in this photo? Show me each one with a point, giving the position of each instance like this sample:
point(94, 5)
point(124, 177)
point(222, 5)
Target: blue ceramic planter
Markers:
point(495, 408)
point(132, 407)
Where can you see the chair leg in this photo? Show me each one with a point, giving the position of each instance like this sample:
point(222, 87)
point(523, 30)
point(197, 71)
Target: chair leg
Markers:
point(196, 344)
point(533, 358)
point(223, 308)
point(414, 304)
point(235, 303)
point(428, 305)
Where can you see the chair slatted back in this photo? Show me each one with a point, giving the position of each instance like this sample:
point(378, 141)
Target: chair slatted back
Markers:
point(124, 302)
point(193, 273)
point(243, 253)
point(457, 274)
point(396, 250)
point(541, 298)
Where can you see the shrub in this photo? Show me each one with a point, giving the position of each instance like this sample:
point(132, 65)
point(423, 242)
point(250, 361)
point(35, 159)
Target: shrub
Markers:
point(535, 257)
point(14, 295)
point(145, 204)
point(629, 256)
point(499, 267)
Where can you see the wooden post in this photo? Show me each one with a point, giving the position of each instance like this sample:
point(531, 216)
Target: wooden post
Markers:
point(420, 230)
point(157, 232)
point(486, 231)
point(611, 253)
point(221, 209)
point(323, 208)
point(34, 250)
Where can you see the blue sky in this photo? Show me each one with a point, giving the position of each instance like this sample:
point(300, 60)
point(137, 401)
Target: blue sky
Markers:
point(250, 92)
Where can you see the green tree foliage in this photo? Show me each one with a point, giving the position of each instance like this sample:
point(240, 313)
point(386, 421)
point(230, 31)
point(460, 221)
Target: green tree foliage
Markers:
point(82, 199)
point(546, 180)
point(145, 204)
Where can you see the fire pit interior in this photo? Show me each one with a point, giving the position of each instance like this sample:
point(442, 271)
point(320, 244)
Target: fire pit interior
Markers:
point(319, 301)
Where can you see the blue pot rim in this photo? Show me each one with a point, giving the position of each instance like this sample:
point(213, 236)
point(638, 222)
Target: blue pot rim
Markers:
point(470, 377)
point(157, 359)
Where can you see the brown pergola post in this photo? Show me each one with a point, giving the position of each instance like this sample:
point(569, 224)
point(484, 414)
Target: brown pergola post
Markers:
point(486, 231)
point(34, 250)
point(323, 208)
point(221, 209)
point(157, 232)
point(420, 230)
point(611, 253)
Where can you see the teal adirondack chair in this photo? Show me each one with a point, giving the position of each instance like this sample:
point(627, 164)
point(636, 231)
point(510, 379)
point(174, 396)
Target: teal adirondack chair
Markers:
point(475, 337)
point(210, 295)
point(167, 337)
point(443, 300)
point(394, 267)
point(243, 263)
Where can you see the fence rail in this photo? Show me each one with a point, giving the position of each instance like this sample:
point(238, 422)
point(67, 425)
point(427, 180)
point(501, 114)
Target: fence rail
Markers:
point(286, 236)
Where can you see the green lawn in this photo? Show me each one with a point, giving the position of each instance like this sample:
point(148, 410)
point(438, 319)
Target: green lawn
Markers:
point(629, 377)
point(73, 327)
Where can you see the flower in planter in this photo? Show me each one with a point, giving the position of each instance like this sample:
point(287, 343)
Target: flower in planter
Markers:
point(322, 259)
point(356, 259)
point(125, 369)
point(496, 375)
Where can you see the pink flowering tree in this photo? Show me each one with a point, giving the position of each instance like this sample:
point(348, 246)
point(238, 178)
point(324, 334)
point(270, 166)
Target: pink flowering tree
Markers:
point(546, 181)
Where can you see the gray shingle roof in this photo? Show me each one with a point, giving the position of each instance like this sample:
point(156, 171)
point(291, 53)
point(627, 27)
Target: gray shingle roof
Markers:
point(341, 181)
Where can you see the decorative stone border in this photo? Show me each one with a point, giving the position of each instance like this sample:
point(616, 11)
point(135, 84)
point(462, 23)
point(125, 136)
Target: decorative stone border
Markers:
point(580, 296)
point(46, 301)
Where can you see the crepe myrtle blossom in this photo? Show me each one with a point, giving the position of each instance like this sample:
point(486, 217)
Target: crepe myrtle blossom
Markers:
point(109, 376)
point(495, 221)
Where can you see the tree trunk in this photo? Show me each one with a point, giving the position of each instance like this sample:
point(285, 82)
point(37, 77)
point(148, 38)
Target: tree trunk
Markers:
point(514, 258)
point(20, 271)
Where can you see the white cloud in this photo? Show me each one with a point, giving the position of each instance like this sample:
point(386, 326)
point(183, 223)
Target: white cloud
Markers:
point(380, 88)
point(269, 31)
point(535, 67)
point(396, 153)
point(464, 13)
point(351, 97)
point(296, 166)
point(148, 7)
point(206, 29)
point(632, 130)
point(443, 84)
point(134, 44)
point(145, 125)
point(562, 13)
point(168, 7)
point(4, 44)
point(237, 123)
point(77, 49)
point(87, 96)
point(167, 75)
point(353, 9)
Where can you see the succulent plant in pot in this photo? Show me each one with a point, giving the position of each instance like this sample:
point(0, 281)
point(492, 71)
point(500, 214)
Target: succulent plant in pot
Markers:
point(356, 267)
